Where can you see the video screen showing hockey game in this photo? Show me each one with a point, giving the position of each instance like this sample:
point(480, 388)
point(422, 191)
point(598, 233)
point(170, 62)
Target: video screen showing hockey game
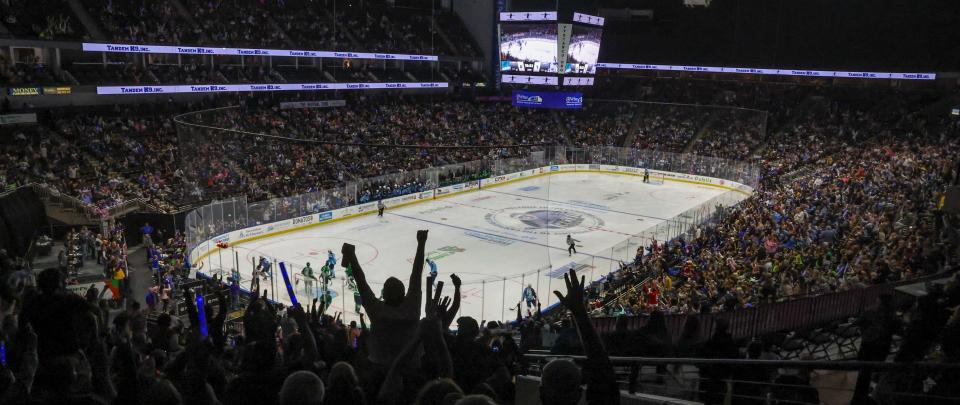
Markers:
point(528, 48)
point(584, 50)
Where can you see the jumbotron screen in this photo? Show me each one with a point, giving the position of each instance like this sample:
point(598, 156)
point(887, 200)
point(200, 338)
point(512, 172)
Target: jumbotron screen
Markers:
point(584, 50)
point(528, 48)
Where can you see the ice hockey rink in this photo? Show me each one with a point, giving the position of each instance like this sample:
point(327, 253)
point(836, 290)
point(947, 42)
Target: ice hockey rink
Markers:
point(531, 49)
point(496, 240)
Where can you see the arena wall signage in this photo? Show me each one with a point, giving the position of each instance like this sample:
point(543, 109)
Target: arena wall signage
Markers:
point(578, 81)
point(28, 118)
point(528, 16)
point(781, 72)
point(25, 91)
point(587, 19)
point(287, 105)
point(57, 90)
point(527, 79)
point(201, 50)
point(226, 88)
point(543, 99)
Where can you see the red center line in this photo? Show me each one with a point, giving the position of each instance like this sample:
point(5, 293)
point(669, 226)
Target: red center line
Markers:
point(597, 228)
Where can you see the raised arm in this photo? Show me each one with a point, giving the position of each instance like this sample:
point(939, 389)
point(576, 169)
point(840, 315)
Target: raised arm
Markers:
point(414, 292)
point(310, 352)
point(431, 335)
point(367, 295)
point(601, 384)
point(451, 314)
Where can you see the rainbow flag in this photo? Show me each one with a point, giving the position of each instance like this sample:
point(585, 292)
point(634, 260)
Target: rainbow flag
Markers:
point(114, 285)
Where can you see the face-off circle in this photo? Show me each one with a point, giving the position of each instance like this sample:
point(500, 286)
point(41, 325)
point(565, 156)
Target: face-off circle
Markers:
point(544, 221)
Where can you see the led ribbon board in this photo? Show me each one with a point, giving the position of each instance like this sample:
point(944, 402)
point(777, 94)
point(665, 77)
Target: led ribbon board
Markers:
point(525, 79)
point(202, 50)
point(528, 16)
point(781, 72)
point(587, 19)
point(578, 81)
point(226, 88)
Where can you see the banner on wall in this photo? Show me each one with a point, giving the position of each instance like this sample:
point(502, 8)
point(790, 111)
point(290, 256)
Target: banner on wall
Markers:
point(9, 119)
point(200, 50)
point(226, 88)
point(545, 99)
point(25, 91)
point(287, 105)
point(59, 90)
point(781, 72)
point(39, 91)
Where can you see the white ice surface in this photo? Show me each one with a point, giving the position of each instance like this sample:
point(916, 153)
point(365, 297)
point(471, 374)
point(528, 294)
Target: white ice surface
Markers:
point(488, 236)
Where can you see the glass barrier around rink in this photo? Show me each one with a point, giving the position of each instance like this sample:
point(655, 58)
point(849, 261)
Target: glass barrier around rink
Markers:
point(499, 297)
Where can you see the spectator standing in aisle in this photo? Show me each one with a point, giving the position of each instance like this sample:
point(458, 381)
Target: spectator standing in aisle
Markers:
point(98, 248)
point(147, 232)
point(234, 293)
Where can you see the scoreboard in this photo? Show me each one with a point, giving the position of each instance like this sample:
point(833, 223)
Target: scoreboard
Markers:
point(535, 49)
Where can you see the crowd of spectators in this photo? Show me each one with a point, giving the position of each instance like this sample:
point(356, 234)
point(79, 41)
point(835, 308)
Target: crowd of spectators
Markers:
point(731, 133)
point(865, 214)
point(136, 156)
point(60, 346)
point(599, 124)
point(26, 73)
point(44, 19)
point(372, 26)
point(143, 22)
point(666, 127)
point(411, 126)
point(848, 198)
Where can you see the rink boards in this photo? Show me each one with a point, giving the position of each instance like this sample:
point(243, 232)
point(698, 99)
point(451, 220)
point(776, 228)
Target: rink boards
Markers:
point(204, 249)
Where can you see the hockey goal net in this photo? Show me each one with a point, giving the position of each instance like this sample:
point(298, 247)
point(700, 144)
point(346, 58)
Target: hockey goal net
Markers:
point(653, 178)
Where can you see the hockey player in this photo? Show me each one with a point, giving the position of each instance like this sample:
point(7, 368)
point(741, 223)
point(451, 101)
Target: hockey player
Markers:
point(646, 175)
point(530, 296)
point(433, 269)
point(308, 278)
point(265, 268)
point(380, 208)
point(325, 275)
point(357, 301)
point(332, 263)
point(571, 245)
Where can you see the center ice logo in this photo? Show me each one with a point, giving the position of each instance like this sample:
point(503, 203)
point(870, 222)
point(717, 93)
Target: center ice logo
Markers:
point(441, 253)
point(546, 219)
point(543, 221)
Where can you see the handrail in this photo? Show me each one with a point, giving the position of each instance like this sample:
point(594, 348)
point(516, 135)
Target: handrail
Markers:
point(89, 211)
point(787, 364)
point(625, 291)
point(795, 313)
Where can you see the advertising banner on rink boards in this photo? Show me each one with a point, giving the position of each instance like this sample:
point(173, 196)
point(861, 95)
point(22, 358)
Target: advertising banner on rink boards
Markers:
point(546, 99)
